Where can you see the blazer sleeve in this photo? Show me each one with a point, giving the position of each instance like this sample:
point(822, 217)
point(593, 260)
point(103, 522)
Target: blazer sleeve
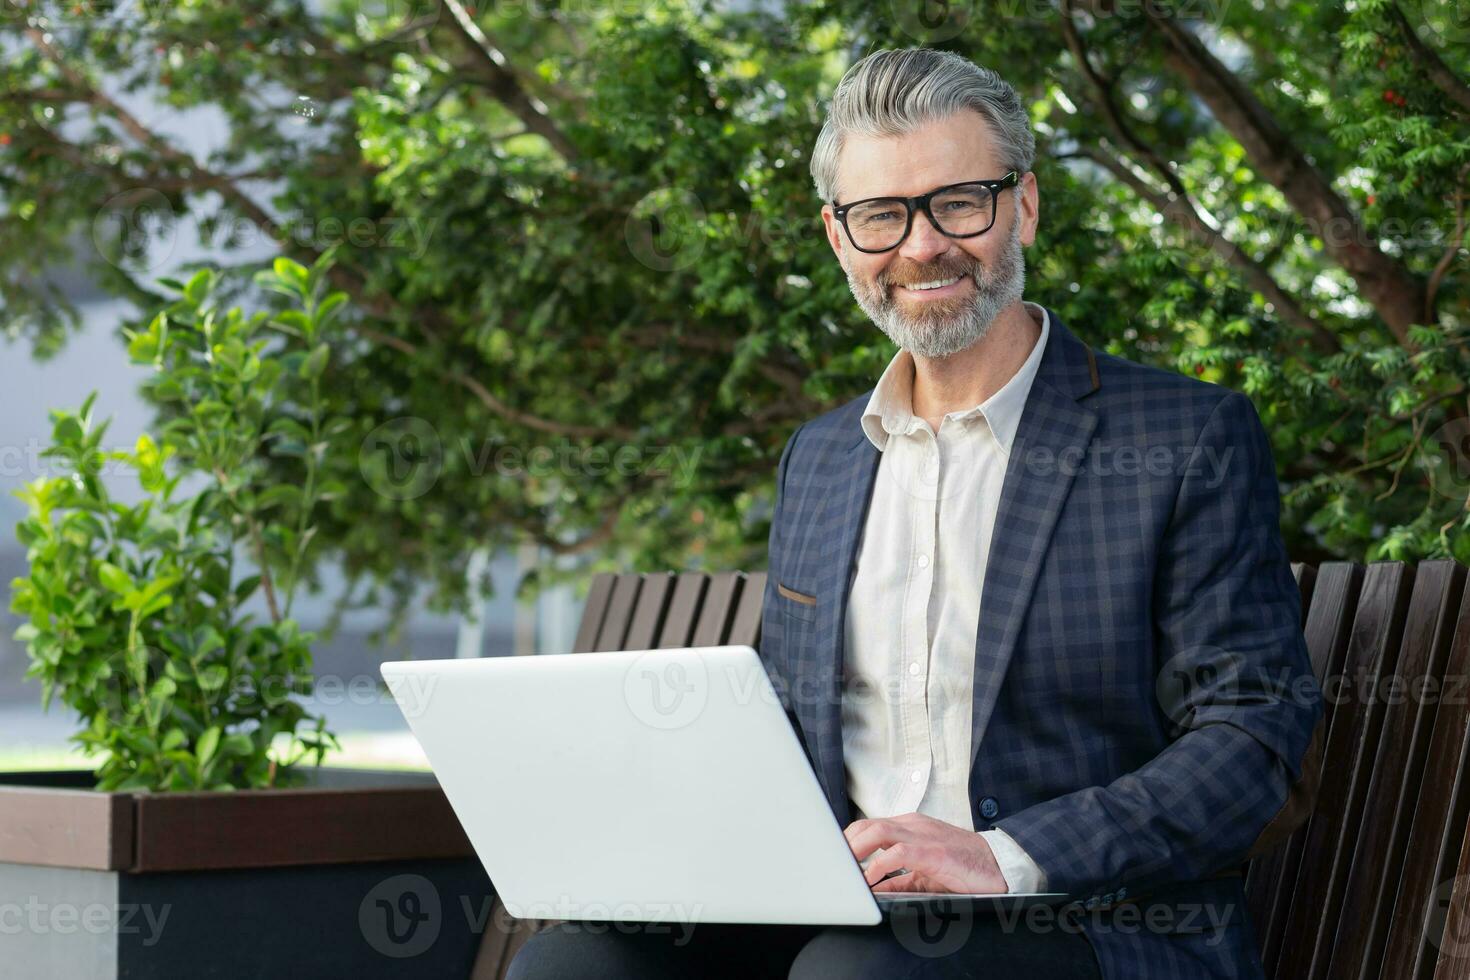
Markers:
point(1235, 684)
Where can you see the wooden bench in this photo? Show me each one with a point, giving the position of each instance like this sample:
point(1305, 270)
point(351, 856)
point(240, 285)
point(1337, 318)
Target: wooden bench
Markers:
point(1370, 886)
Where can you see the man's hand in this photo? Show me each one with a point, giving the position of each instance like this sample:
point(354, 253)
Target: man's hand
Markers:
point(940, 857)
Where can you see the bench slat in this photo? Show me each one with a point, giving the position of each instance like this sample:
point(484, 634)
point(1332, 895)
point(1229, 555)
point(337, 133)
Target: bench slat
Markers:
point(1437, 838)
point(1329, 620)
point(719, 607)
point(593, 612)
point(745, 630)
point(678, 629)
point(648, 615)
point(619, 612)
point(1393, 789)
point(1351, 745)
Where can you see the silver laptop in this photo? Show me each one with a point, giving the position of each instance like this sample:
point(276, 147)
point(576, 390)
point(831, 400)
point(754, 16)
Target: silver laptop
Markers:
point(649, 786)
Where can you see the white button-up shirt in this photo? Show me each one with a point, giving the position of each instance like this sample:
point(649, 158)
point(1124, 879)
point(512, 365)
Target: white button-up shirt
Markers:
point(914, 611)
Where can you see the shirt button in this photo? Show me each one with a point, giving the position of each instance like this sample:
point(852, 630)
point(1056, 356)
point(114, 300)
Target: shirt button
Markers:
point(915, 776)
point(989, 807)
point(913, 669)
point(923, 561)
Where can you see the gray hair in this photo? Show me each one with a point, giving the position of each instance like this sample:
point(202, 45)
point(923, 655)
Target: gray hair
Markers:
point(894, 92)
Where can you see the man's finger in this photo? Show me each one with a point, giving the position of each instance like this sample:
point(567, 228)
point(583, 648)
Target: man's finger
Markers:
point(894, 858)
point(911, 882)
point(878, 833)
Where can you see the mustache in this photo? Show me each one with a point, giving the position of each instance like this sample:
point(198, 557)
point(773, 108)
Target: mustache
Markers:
point(910, 273)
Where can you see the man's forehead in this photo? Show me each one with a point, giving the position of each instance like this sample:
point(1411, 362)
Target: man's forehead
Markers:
point(947, 151)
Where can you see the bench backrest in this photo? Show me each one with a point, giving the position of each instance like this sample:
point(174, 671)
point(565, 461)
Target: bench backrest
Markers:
point(1375, 884)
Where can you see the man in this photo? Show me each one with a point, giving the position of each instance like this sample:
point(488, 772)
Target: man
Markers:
point(1028, 605)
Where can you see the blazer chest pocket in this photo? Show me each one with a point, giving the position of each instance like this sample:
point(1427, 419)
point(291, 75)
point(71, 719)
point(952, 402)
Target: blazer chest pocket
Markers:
point(797, 605)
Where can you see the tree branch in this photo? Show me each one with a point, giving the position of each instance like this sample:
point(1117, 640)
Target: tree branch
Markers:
point(1429, 60)
point(1181, 212)
point(1457, 239)
point(197, 176)
point(502, 81)
point(1394, 292)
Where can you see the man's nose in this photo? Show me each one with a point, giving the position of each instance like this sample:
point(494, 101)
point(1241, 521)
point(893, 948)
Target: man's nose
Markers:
point(925, 242)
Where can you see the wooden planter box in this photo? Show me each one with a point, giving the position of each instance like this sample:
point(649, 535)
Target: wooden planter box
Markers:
point(358, 873)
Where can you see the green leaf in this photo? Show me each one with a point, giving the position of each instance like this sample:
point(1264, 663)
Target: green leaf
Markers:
point(329, 308)
point(114, 579)
point(205, 747)
point(291, 273)
point(213, 677)
point(197, 291)
point(316, 362)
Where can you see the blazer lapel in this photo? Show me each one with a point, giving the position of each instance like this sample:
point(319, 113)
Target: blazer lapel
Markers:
point(1050, 446)
point(846, 513)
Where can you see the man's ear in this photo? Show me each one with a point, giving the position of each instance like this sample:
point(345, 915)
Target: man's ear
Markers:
point(1029, 200)
point(834, 234)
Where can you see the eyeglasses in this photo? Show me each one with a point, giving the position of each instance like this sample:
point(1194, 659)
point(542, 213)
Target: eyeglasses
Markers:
point(877, 224)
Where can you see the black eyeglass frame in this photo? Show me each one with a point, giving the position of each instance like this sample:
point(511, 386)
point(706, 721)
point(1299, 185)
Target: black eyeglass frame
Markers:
point(921, 203)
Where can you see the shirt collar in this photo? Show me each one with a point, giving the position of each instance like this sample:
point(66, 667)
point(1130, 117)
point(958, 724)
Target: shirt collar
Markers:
point(890, 409)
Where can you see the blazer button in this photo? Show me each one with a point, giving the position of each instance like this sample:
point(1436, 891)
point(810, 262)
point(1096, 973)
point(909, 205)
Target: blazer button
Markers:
point(989, 808)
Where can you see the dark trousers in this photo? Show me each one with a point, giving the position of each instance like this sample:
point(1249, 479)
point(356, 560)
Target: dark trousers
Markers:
point(909, 945)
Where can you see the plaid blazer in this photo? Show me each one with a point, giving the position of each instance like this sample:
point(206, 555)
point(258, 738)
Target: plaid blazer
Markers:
point(1143, 694)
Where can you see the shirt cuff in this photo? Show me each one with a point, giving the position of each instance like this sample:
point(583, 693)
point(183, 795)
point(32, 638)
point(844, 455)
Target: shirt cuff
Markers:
point(1022, 874)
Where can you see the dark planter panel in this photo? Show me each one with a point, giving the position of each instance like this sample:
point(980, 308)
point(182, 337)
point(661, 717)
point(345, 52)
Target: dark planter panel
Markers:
point(357, 874)
point(398, 918)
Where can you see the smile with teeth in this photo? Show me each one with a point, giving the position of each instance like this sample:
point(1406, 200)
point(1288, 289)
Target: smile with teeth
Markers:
point(935, 284)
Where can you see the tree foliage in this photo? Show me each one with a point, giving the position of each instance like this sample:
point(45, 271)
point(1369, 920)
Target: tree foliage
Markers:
point(589, 298)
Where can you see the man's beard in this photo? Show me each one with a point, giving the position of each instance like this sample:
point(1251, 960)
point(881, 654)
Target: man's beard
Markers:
point(939, 328)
